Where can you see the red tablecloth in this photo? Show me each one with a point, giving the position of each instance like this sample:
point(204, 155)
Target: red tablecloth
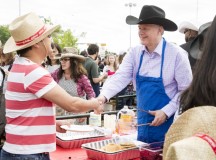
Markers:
point(70, 154)
point(66, 154)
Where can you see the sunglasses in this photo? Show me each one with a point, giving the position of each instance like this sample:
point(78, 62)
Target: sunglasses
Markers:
point(64, 59)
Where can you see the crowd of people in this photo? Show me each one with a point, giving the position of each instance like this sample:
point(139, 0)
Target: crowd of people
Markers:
point(40, 80)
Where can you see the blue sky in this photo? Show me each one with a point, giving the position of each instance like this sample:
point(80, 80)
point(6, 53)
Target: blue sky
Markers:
point(103, 21)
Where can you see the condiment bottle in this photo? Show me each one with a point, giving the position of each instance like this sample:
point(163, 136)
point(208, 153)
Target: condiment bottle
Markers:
point(95, 119)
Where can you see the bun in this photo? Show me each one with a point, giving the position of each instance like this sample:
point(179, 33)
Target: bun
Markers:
point(112, 147)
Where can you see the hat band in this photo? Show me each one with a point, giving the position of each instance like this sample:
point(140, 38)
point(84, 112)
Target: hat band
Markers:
point(208, 139)
point(30, 39)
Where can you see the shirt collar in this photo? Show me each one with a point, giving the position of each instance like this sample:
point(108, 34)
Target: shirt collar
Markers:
point(158, 49)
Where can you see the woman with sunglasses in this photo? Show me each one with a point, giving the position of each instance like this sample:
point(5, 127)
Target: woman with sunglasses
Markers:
point(72, 77)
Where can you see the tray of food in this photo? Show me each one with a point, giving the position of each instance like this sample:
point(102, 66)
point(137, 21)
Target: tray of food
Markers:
point(113, 149)
point(75, 138)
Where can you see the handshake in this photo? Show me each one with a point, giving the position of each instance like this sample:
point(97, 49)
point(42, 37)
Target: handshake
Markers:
point(98, 104)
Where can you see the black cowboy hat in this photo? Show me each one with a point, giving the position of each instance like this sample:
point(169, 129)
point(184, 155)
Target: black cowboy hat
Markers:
point(152, 15)
point(197, 44)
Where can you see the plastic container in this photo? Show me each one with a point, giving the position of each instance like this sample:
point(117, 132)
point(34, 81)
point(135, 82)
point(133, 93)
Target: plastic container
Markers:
point(151, 151)
point(110, 121)
point(125, 121)
point(126, 114)
point(94, 119)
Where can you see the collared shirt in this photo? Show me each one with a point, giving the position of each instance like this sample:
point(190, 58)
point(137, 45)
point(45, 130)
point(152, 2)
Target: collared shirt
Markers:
point(177, 74)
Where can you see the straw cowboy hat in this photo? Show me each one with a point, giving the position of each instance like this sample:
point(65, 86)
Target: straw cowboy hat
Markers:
point(187, 25)
point(26, 31)
point(181, 139)
point(193, 148)
point(152, 15)
point(72, 52)
point(197, 44)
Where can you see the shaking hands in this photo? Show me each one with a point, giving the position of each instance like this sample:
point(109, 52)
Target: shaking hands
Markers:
point(98, 105)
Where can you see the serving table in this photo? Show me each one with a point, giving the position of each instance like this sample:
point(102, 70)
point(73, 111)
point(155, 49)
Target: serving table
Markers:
point(70, 154)
point(75, 153)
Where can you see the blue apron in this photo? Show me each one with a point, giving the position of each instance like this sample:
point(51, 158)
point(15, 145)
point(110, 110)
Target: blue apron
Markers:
point(151, 96)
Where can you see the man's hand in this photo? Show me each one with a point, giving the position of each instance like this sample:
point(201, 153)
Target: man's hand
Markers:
point(99, 105)
point(60, 123)
point(101, 98)
point(160, 117)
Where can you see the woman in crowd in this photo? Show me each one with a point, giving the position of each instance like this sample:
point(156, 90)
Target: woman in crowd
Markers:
point(52, 61)
point(202, 90)
point(112, 66)
point(72, 77)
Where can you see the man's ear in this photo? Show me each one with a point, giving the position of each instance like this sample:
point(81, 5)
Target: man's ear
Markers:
point(161, 29)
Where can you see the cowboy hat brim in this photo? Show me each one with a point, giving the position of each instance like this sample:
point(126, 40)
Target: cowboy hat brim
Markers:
point(195, 51)
point(71, 55)
point(166, 23)
point(200, 119)
point(187, 25)
point(190, 149)
point(10, 45)
point(196, 45)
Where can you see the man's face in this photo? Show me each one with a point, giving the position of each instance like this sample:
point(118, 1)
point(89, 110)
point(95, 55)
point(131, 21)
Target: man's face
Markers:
point(187, 35)
point(190, 34)
point(149, 33)
point(47, 49)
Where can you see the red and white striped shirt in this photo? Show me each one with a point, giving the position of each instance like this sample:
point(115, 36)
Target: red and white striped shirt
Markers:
point(30, 119)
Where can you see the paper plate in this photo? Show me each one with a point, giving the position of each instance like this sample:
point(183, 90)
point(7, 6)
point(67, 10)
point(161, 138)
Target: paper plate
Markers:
point(78, 128)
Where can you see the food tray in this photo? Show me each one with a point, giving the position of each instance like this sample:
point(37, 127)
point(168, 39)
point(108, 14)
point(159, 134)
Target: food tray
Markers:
point(76, 139)
point(94, 151)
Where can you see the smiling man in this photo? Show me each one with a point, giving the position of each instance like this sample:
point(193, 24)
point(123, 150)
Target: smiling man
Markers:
point(160, 71)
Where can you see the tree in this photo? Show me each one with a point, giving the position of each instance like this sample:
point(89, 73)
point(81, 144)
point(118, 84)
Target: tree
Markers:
point(65, 38)
point(4, 33)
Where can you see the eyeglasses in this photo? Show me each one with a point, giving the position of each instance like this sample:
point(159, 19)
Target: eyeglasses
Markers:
point(64, 59)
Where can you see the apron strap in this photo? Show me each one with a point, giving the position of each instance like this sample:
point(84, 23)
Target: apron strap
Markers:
point(141, 59)
point(162, 59)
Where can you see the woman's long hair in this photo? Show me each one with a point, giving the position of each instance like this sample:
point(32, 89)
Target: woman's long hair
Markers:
point(54, 45)
point(115, 66)
point(202, 90)
point(76, 68)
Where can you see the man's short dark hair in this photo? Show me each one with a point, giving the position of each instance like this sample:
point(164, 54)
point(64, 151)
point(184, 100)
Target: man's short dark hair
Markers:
point(23, 51)
point(92, 49)
point(84, 53)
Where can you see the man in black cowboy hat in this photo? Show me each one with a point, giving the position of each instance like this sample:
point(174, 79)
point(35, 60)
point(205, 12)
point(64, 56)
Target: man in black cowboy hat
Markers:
point(160, 71)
